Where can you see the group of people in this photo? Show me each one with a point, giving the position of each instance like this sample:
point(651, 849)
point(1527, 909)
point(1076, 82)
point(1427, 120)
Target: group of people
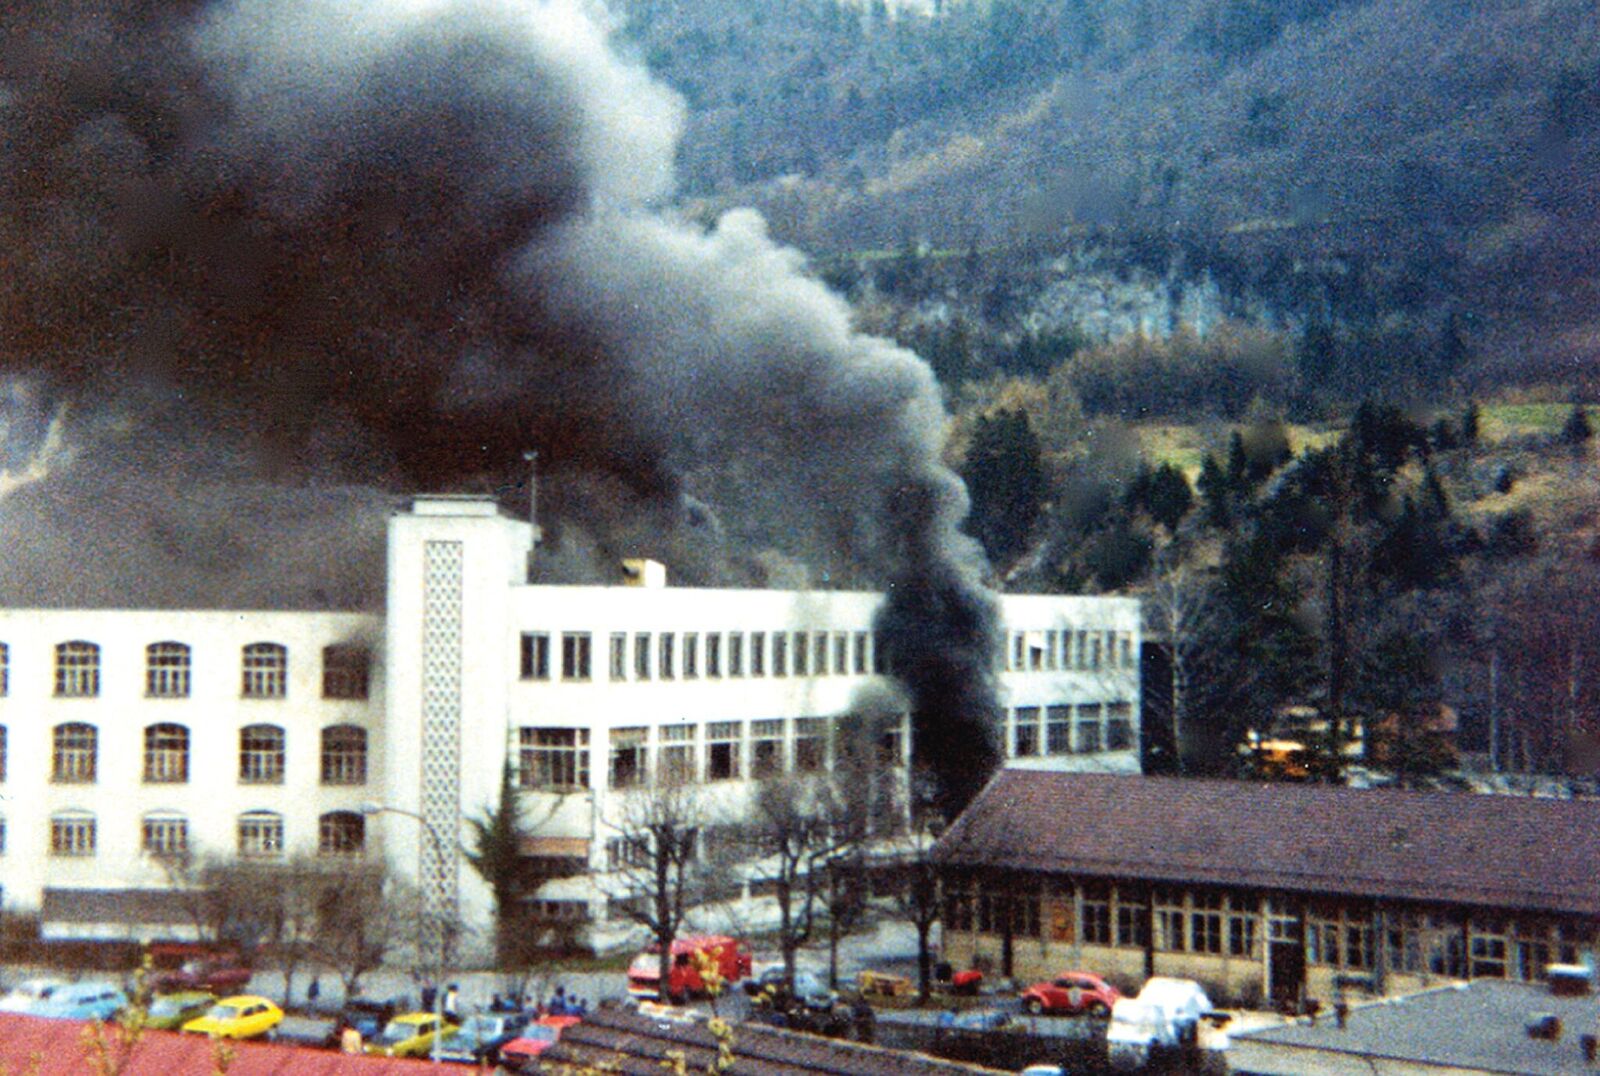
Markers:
point(560, 1004)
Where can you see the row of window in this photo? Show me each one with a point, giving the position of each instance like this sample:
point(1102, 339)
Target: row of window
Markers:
point(667, 655)
point(1331, 934)
point(75, 754)
point(557, 759)
point(1067, 730)
point(264, 670)
point(259, 834)
point(690, 655)
point(1041, 651)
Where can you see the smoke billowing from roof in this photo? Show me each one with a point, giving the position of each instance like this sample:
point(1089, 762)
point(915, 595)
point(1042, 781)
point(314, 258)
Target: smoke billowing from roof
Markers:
point(271, 257)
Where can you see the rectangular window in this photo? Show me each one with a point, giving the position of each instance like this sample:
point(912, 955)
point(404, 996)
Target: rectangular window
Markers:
point(575, 655)
point(535, 655)
point(641, 655)
point(72, 836)
point(261, 753)
point(810, 744)
point(1080, 654)
point(861, 665)
point(1241, 932)
point(1095, 642)
point(665, 652)
point(713, 654)
point(841, 653)
point(346, 672)
point(758, 653)
point(1205, 924)
point(1094, 916)
point(619, 655)
point(802, 652)
point(766, 747)
point(1019, 644)
point(1171, 919)
point(1119, 726)
point(630, 757)
point(724, 741)
point(553, 759)
point(677, 754)
point(780, 653)
point(1035, 651)
point(1027, 740)
point(166, 754)
point(1058, 730)
point(736, 653)
point(1133, 925)
point(819, 652)
point(691, 655)
point(344, 755)
point(165, 836)
point(1051, 647)
point(1088, 729)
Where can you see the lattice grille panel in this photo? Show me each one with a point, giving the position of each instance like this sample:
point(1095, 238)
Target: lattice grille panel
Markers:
point(439, 852)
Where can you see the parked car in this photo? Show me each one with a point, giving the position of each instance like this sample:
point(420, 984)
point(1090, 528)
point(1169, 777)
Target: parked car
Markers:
point(481, 1035)
point(807, 989)
point(535, 1039)
point(216, 975)
point(644, 974)
point(366, 1015)
point(410, 1035)
point(1071, 992)
point(167, 1012)
point(91, 1000)
point(244, 1016)
point(27, 994)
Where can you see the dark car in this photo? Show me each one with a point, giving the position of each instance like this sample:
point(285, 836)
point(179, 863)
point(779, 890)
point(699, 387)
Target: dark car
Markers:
point(366, 1015)
point(481, 1035)
point(806, 989)
point(217, 975)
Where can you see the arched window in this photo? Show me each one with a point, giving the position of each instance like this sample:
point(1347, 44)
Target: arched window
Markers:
point(73, 748)
point(77, 669)
point(346, 671)
point(266, 671)
point(341, 833)
point(166, 671)
point(344, 755)
point(72, 833)
point(261, 755)
point(165, 834)
point(260, 834)
point(166, 754)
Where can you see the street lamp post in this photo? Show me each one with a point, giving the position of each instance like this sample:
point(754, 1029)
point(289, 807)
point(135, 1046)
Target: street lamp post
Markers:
point(370, 809)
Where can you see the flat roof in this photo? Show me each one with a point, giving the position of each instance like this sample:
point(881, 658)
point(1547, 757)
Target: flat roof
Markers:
point(1476, 1027)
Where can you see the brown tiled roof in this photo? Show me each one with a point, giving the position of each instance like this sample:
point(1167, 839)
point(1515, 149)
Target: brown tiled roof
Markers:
point(634, 1044)
point(1498, 851)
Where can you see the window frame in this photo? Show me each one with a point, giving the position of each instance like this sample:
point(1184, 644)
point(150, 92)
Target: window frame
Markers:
point(343, 764)
point(74, 834)
point(262, 765)
point(264, 671)
point(163, 834)
point(335, 830)
point(544, 751)
point(166, 753)
point(346, 672)
point(168, 668)
point(260, 835)
point(77, 669)
point(74, 763)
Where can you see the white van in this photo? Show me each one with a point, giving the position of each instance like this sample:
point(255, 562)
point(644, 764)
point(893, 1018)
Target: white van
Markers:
point(1165, 1017)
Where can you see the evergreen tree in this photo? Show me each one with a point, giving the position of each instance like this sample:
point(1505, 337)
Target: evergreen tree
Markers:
point(1576, 431)
point(1469, 425)
point(1168, 497)
point(496, 854)
point(1214, 492)
point(1005, 478)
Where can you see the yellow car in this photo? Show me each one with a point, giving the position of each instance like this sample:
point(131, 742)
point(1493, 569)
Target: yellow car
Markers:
point(242, 1017)
point(410, 1035)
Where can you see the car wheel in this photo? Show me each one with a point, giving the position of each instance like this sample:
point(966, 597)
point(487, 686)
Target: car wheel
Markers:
point(1100, 1009)
point(1033, 1007)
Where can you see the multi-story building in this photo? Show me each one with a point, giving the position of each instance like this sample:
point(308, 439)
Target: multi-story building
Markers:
point(129, 736)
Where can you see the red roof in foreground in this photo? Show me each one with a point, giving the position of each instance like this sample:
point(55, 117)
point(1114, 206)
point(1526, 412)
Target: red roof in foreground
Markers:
point(61, 1049)
point(1455, 847)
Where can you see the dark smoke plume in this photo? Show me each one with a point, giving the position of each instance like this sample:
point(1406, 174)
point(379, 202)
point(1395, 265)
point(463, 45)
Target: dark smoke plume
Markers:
point(258, 257)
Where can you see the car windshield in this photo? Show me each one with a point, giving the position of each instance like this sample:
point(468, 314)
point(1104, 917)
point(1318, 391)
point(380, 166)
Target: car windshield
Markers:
point(482, 1027)
point(224, 1012)
point(399, 1032)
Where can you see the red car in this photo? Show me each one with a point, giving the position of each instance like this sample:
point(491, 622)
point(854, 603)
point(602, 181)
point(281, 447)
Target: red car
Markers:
point(536, 1038)
point(1071, 992)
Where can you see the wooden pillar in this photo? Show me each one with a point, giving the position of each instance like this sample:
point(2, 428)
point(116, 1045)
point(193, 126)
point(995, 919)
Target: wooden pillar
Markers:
point(1149, 931)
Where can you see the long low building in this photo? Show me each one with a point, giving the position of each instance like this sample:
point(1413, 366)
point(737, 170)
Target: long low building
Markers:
point(1268, 891)
point(135, 741)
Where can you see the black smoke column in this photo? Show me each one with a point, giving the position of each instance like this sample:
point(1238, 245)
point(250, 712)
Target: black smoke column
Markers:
point(940, 639)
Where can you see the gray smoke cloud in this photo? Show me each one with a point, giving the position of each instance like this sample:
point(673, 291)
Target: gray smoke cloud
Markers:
point(277, 262)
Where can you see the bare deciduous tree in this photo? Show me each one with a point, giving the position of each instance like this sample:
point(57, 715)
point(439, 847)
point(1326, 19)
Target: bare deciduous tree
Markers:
point(659, 829)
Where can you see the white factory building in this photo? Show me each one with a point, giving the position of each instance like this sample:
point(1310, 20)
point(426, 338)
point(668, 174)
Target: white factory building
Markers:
point(129, 735)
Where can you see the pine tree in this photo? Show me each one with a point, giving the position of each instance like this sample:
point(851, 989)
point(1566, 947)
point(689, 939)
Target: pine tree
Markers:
point(1576, 431)
point(1005, 478)
point(1214, 491)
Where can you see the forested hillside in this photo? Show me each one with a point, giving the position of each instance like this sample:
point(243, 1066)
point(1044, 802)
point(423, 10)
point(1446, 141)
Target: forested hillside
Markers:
point(1414, 154)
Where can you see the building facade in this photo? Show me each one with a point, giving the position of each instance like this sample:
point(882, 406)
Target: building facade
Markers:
point(129, 737)
point(1268, 891)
